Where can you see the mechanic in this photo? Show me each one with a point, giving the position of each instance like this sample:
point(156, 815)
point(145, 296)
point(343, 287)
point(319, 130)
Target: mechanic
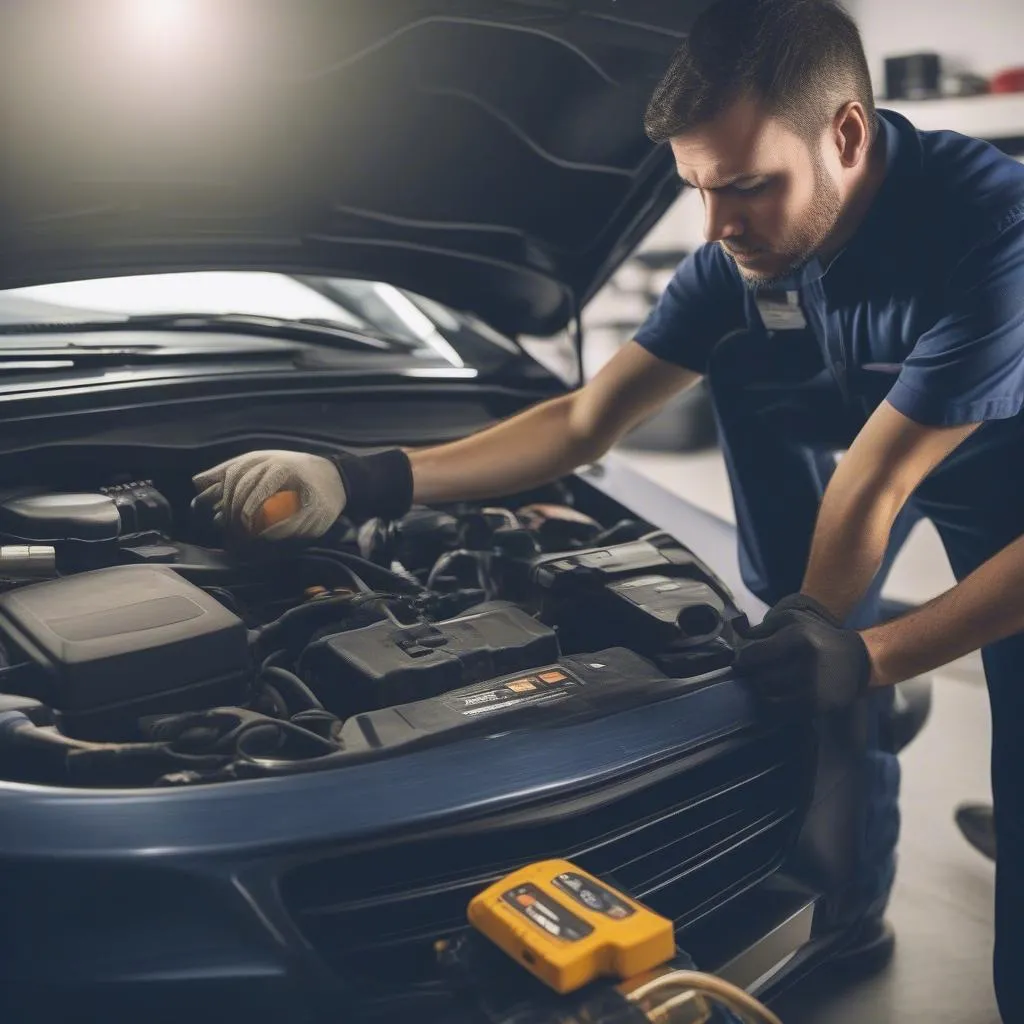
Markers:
point(861, 292)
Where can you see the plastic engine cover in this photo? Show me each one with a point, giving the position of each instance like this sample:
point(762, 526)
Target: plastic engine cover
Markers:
point(387, 663)
point(119, 643)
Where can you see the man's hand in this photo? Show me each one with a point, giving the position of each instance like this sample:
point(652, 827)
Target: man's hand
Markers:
point(801, 653)
point(240, 486)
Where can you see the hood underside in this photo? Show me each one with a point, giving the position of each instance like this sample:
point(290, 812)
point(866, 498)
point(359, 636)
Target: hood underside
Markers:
point(487, 153)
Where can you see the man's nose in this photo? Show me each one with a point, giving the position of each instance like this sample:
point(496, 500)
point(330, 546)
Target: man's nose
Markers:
point(721, 219)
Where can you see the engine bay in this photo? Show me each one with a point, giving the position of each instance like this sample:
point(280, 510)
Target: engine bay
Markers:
point(140, 647)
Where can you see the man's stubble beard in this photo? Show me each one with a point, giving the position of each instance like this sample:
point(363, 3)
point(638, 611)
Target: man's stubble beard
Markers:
point(815, 228)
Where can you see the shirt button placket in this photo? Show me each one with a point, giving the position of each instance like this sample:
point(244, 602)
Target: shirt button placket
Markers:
point(833, 344)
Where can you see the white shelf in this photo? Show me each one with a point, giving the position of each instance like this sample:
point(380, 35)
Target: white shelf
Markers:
point(990, 116)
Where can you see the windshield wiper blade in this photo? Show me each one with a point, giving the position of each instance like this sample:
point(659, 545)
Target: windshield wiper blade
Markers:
point(312, 331)
point(73, 356)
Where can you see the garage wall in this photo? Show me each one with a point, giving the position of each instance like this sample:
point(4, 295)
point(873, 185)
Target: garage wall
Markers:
point(984, 37)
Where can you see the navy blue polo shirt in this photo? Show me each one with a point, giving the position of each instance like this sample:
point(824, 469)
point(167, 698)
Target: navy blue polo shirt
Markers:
point(924, 307)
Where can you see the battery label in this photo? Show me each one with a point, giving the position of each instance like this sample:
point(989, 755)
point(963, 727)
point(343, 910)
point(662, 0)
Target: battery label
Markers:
point(534, 688)
point(546, 913)
point(593, 896)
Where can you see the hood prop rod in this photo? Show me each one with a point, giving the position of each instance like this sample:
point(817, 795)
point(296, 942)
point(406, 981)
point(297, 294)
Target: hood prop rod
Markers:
point(577, 336)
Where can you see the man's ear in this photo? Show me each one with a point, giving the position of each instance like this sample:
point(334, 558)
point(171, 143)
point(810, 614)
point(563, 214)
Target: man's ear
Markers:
point(851, 133)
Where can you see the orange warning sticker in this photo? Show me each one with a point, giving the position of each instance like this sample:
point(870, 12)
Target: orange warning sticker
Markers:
point(552, 677)
point(521, 686)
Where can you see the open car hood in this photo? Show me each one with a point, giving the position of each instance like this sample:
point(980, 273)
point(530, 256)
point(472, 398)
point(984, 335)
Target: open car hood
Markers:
point(486, 153)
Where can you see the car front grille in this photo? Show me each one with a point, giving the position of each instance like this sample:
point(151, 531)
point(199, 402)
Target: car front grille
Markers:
point(683, 839)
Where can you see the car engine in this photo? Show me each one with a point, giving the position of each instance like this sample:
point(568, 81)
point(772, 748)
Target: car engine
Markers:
point(140, 646)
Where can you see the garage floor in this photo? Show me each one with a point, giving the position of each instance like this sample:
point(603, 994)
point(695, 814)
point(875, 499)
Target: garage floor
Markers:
point(942, 903)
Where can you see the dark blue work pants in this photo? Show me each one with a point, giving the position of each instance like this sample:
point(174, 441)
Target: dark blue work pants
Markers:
point(781, 418)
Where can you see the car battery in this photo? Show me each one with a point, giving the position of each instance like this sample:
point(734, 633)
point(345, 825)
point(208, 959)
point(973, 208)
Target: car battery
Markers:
point(390, 663)
point(568, 689)
point(650, 595)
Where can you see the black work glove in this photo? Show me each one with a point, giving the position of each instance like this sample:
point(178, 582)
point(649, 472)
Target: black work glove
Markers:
point(800, 652)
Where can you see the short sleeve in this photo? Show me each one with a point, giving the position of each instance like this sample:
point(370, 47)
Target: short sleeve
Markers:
point(702, 303)
point(969, 367)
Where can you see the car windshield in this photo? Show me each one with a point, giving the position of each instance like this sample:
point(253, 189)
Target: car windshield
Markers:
point(369, 307)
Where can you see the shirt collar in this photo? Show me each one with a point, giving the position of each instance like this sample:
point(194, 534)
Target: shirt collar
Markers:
point(903, 160)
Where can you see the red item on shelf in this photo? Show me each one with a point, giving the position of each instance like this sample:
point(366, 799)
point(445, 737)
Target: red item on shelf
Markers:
point(1010, 80)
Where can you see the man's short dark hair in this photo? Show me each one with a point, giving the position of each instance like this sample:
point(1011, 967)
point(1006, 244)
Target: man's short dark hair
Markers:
point(800, 59)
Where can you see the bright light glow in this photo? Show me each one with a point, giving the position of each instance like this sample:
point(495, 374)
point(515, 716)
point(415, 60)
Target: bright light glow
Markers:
point(182, 66)
point(162, 20)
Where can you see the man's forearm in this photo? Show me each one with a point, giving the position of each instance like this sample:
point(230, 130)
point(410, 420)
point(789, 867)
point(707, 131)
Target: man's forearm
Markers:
point(887, 460)
point(848, 547)
point(553, 438)
point(527, 450)
point(986, 606)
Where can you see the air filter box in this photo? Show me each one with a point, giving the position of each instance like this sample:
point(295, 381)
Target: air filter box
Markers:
point(56, 518)
point(388, 663)
point(112, 645)
point(112, 514)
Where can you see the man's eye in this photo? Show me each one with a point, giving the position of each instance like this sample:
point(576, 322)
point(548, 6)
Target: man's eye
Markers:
point(750, 190)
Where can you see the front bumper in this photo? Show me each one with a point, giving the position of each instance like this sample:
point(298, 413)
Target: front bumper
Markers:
point(284, 896)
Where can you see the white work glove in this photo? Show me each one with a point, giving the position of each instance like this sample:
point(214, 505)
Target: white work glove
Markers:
point(239, 487)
